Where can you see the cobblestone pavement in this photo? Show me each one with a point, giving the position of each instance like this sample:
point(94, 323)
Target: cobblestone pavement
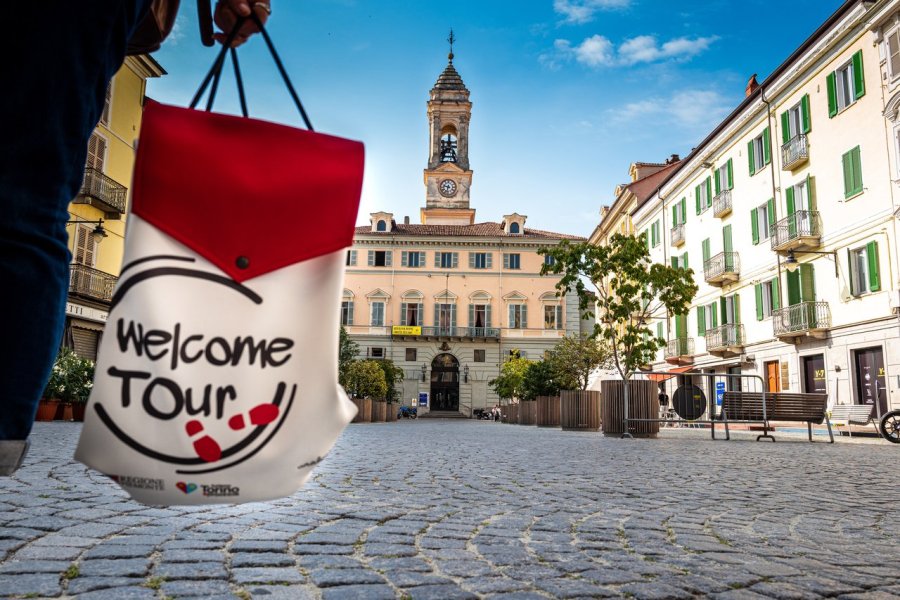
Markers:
point(477, 509)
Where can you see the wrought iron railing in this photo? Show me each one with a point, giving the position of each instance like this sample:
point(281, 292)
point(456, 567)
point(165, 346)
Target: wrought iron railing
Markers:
point(801, 317)
point(722, 203)
point(721, 264)
point(85, 281)
point(801, 224)
point(680, 347)
point(794, 152)
point(108, 191)
point(678, 234)
point(725, 336)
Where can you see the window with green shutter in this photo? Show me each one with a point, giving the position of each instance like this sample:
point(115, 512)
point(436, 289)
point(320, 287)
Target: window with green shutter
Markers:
point(701, 320)
point(852, 165)
point(758, 152)
point(846, 84)
point(864, 269)
point(706, 252)
point(659, 331)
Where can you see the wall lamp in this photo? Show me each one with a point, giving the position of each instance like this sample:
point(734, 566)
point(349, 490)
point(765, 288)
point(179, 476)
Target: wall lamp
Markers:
point(466, 374)
point(791, 264)
point(98, 233)
point(424, 371)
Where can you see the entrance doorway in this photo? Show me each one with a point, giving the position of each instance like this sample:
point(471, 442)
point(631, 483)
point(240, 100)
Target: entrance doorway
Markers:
point(773, 382)
point(814, 374)
point(445, 383)
point(870, 380)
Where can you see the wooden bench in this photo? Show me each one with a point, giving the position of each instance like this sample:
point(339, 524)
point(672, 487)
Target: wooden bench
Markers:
point(779, 406)
point(852, 414)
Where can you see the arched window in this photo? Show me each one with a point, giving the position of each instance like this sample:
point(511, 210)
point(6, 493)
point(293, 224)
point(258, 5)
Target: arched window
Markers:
point(381, 226)
point(449, 145)
point(514, 228)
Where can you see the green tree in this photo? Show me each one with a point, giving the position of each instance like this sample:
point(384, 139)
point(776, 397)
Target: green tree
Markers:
point(575, 357)
point(365, 378)
point(630, 290)
point(347, 351)
point(393, 377)
point(512, 375)
point(540, 380)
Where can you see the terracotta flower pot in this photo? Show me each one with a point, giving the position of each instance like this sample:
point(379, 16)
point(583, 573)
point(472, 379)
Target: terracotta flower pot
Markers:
point(47, 409)
point(78, 411)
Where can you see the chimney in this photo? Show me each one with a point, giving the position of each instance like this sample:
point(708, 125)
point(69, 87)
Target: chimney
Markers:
point(673, 159)
point(406, 220)
point(751, 86)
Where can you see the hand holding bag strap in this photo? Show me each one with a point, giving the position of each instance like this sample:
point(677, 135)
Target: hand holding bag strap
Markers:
point(215, 72)
point(205, 20)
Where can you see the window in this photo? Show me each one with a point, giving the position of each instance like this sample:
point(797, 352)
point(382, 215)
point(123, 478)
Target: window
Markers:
point(758, 152)
point(377, 314)
point(654, 234)
point(480, 260)
point(479, 355)
point(410, 355)
point(96, 155)
point(511, 261)
point(412, 314)
point(659, 331)
point(767, 298)
point(680, 262)
point(730, 309)
point(864, 275)
point(351, 258)
point(107, 105)
point(376, 352)
point(703, 195)
point(479, 315)
point(549, 260)
point(381, 225)
point(762, 221)
point(514, 228)
point(445, 316)
point(846, 85)
point(707, 318)
point(85, 246)
point(446, 260)
point(724, 177)
point(552, 316)
point(412, 259)
point(380, 258)
point(347, 312)
point(795, 120)
point(679, 212)
point(518, 316)
point(853, 183)
point(892, 44)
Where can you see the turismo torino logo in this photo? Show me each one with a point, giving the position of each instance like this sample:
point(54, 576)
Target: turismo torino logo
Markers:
point(213, 489)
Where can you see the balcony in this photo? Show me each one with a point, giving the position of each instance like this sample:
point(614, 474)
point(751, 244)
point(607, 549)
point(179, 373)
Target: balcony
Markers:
point(91, 283)
point(722, 204)
point(680, 351)
point(799, 231)
point(722, 269)
point(678, 235)
point(447, 333)
point(103, 192)
point(795, 153)
point(806, 318)
point(725, 340)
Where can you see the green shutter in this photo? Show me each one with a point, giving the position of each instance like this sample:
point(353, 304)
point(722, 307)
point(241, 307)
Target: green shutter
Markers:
point(785, 127)
point(730, 175)
point(832, 95)
point(771, 206)
point(697, 197)
point(811, 191)
point(684, 261)
point(859, 80)
point(683, 210)
point(848, 175)
point(674, 262)
point(718, 184)
point(487, 316)
point(659, 330)
point(754, 225)
point(471, 315)
point(776, 294)
point(705, 246)
point(737, 308)
point(767, 158)
point(757, 289)
point(726, 238)
point(792, 223)
point(680, 326)
point(807, 282)
point(852, 163)
point(805, 123)
point(709, 196)
point(857, 169)
point(750, 157)
point(872, 256)
point(715, 318)
point(403, 307)
point(701, 320)
point(793, 284)
point(674, 215)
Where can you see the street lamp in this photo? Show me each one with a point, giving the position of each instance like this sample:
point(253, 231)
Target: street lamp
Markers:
point(466, 374)
point(791, 264)
point(424, 371)
point(98, 233)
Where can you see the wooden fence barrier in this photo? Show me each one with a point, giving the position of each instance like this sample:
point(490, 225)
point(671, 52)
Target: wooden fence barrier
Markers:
point(643, 403)
point(364, 410)
point(547, 411)
point(579, 410)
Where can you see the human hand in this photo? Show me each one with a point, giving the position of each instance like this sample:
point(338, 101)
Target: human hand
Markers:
point(229, 11)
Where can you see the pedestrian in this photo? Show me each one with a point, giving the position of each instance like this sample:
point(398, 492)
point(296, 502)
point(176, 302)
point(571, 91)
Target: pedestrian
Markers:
point(663, 400)
point(60, 58)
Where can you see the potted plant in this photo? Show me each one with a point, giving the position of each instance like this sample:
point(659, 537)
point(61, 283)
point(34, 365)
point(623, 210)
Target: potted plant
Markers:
point(365, 379)
point(51, 399)
point(68, 388)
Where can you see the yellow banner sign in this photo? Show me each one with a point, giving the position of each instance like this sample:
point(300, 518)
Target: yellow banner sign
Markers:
point(406, 330)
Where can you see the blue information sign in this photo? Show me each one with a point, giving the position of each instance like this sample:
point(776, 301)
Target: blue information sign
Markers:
point(720, 392)
point(423, 398)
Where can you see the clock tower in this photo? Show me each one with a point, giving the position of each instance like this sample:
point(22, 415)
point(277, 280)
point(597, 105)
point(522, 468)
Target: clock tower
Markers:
point(448, 176)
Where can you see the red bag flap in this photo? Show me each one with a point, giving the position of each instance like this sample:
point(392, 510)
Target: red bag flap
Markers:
point(249, 196)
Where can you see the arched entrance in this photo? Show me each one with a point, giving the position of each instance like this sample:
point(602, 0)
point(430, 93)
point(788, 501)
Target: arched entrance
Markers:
point(445, 383)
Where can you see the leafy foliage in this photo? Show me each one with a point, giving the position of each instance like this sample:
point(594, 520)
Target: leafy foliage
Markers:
point(630, 291)
point(347, 351)
point(365, 379)
point(575, 357)
point(512, 376)
point(393, 377)
point(540, 380)
point(71, 377)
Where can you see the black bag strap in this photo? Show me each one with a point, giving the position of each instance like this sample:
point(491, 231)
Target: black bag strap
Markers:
point(215, 72)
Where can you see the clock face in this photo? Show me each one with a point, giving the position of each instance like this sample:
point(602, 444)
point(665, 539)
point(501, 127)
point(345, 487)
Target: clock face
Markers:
point(448, 188)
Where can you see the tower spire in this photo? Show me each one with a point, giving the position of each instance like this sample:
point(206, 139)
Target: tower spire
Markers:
point(451, 39)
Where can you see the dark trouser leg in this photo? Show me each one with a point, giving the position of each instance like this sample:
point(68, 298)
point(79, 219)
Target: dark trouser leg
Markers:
point(57, 61)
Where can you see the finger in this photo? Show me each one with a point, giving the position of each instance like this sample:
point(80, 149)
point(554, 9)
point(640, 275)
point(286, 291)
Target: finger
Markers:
point(239, 7)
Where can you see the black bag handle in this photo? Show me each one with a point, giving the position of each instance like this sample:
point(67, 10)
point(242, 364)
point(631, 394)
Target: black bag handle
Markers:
point(215, 72)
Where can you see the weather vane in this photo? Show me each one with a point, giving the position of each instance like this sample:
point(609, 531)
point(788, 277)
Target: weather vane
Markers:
point(451, 39)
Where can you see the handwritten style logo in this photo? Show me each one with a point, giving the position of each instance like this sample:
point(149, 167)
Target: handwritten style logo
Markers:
point(177, 396)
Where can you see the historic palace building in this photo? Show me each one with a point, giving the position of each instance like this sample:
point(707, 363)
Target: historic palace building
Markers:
point(787, 215)
point(449, 298)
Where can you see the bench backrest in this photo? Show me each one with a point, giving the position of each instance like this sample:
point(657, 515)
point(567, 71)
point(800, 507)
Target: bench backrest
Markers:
point(851, 413)
point(780, 406)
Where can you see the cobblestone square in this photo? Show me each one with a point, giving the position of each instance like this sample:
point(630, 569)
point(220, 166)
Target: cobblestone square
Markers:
point(467, 509)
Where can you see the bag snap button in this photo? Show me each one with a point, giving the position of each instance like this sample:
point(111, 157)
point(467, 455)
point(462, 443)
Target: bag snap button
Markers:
point(242, 262)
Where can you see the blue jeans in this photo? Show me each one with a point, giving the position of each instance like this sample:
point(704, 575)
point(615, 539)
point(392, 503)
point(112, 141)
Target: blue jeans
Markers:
point(58, 59)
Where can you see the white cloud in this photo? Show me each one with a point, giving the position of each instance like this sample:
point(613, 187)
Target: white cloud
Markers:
point(178, 29)
point(583, 11)
point(691, 110)
point(598, 51)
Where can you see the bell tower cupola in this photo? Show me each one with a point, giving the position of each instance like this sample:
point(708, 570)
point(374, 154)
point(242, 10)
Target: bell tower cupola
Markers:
point(448, 176)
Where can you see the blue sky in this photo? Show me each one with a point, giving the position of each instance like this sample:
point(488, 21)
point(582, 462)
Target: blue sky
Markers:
point(566, 93)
